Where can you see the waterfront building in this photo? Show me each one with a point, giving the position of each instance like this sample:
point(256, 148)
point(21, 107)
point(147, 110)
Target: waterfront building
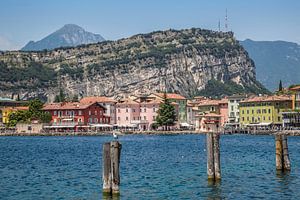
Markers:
point(176, 98)
point(291, 118)
point(192, 111)
point(8, 104)
point(128, 114)
point(263, 110)
point(296, 97)
point(6, 111)
point(108, 103)
point(148, 113)
point(75, 115)
point(233, 110)
point(219, 107)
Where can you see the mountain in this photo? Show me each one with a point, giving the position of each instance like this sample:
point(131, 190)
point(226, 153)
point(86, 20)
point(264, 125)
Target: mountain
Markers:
point(69, 35)
point(186, 61)
point(275, 61)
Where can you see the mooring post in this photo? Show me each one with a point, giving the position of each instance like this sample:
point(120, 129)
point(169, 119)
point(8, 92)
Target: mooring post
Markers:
point(115, 152)
point(106, 169)
point(286, 159)
point(216, 148)
point(279, 152)
point(210, 156)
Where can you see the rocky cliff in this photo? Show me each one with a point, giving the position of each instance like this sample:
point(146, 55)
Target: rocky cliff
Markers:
point(179, 61)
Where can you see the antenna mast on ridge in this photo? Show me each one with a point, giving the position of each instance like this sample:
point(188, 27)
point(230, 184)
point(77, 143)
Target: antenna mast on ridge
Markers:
point(226, 21)
point(219, 25)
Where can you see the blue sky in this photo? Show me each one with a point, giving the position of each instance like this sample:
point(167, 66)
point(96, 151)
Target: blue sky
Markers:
point(25, 20)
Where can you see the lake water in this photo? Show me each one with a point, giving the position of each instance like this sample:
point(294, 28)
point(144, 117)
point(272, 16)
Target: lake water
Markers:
point(152, 167)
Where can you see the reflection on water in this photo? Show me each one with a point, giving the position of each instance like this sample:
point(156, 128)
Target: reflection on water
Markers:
point(110, 197)
point(215, 190)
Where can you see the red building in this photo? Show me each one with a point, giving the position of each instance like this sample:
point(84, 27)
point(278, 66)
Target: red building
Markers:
point(75, 115)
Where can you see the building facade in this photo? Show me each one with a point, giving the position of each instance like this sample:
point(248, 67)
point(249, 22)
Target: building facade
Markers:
point(233, 109)
point(264, 110)
point(108, 103)
point(175, 98)
point(76, 115)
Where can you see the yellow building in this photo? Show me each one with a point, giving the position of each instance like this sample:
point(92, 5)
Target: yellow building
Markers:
point(264, 110)
point(7, 110)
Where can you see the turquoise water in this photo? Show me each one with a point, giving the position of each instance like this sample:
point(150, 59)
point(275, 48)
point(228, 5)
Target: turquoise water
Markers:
point(152, 167)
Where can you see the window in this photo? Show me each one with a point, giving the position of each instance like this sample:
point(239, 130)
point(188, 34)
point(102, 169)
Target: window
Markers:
point(252, 111)
point(79, 112)
point(95, 112)
point(242, 111)
point(243, 118)
point(119, 118)
point(232, 108)
point(247, 111)
point(144, 109)
point(153, 109)
point(126, 109)
point(133, 118)
point(133, 110)
point(126, 118)
point(119, 110)
point(96, 120)
point(90, 112)
point(145, 118)
point(264, 118)
point(55, 112)
point(279, 118)
point(153, 117)
point(269, 111)
point(90, 120)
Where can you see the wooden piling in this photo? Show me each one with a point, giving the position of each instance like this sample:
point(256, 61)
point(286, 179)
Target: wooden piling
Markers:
point(286, 159)
point(106, 169)
point(210, 156)
point(216, 148)
point(115, 152)
point(279, 152)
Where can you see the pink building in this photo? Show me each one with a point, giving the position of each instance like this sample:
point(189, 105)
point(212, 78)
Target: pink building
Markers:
point(148, 113)
point(128, 114)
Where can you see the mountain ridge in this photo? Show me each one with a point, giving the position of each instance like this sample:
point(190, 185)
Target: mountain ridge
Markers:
point(69, 35)
point(275, 61)
point(181, 61)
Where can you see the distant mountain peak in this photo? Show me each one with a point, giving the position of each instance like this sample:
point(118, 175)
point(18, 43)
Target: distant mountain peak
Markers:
point(68, 35)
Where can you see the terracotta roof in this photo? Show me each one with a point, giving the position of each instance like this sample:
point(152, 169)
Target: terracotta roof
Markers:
point(267, 99)
point(155, 101)
point(66, 106)
point(99, 99)
point(171, 96)
point(296, 88)
point(212, 102)
point(16, 108)
point(127, 101)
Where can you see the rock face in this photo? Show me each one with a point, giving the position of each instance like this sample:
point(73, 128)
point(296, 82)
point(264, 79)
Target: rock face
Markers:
point(69, 35)
point(178, 61)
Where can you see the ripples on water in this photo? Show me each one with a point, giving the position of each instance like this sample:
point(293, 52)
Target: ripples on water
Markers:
point(152, 167)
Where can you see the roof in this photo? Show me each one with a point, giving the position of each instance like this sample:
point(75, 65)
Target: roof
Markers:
point(99, 99)
point(212, 102)
point(16, 108)
point(267, 99)
point(68, 106)
point(171, 96)
point(154, 101)
point(128, 101)
point(296, 88)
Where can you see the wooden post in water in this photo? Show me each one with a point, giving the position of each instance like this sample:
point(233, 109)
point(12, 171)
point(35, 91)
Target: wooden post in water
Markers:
point(286, 159)
point(106, 169)
point(115, 152)
point(216, 148)
point(279, 152)
point(210, 156)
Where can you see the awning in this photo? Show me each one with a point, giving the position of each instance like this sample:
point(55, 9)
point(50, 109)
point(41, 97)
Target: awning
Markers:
point(60, 126)
point(184, 124)
point(68, 119)
point(260, 124)
point(102, 125)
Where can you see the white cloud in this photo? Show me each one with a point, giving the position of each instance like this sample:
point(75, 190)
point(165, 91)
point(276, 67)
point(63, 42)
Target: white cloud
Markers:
point(6, 44)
